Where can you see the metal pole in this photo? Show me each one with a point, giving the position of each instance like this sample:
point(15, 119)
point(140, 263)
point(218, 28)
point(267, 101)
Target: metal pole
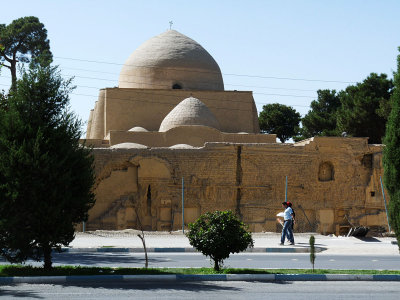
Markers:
point(286, 190)
point(183, 205)
point(83, 226)
point(384, 199)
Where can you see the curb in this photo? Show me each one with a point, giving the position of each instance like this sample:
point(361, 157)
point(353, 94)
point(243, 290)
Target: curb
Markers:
point(183, 278)
point(186, 249)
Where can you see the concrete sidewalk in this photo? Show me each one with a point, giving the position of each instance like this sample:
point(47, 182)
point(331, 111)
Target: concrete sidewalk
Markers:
point(128, 241)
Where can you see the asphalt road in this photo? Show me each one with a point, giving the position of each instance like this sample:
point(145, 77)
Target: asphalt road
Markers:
point(206, 290)
point(247, 260)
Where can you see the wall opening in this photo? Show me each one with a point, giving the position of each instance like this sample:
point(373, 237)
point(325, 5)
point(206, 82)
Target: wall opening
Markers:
point(367, 161)
point(176, 86)
point(148, 203)
point(326, 171)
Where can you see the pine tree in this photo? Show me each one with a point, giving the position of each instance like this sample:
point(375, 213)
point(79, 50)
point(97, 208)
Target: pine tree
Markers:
point(46, 176)
point(391, 155)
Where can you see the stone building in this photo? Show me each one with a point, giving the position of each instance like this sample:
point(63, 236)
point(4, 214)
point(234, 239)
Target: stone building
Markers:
point(170, 118)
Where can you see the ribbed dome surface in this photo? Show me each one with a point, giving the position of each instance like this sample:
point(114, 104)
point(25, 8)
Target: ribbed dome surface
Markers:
point(190, 111)
point(169, 60)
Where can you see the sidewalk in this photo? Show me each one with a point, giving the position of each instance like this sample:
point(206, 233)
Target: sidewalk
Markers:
point(128, 241)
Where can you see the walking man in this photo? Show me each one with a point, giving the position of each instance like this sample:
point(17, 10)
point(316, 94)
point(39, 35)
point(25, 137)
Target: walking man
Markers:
point(287, 230)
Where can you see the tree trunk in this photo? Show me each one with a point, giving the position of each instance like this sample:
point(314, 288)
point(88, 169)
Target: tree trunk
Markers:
point(146, 264)
point(47, 258)
point(13, 70)
point(216, 265)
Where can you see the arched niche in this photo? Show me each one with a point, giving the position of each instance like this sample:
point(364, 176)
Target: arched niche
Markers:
point(152, 167)
point(326, 171)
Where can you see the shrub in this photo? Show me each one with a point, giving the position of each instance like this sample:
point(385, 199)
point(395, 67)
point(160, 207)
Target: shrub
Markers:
point(218, 234)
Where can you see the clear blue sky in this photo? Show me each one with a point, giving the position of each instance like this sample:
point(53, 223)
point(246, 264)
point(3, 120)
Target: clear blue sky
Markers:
point(341, 40)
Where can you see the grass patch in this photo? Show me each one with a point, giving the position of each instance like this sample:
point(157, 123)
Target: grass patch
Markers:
point(23, 270)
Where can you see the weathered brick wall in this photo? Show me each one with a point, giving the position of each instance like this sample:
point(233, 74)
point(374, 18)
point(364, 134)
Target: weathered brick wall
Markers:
point(331, 182)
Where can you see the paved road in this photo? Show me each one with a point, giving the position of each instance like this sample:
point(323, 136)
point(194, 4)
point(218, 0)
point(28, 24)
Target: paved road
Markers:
point(207, 290)
point(248, 260)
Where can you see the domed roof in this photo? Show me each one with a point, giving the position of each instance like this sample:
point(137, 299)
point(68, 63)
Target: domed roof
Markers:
point(128, 146)
point(182, 146)
point(171, 60)
point(138, 129)
point(190, 111)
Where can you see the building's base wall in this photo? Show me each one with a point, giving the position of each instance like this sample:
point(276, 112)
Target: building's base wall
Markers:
point(332, 182)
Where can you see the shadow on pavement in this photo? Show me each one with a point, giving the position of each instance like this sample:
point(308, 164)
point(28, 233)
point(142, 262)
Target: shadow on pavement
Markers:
point(308, 245)
point(155, 285)
point(368, 239)
point(12, 293)
point(104, 258)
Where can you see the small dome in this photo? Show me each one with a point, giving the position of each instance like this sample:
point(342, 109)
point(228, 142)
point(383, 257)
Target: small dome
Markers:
point(138, 129)
point(190, 111)
point(171, 60)
point(182, 146)
point(128, 146)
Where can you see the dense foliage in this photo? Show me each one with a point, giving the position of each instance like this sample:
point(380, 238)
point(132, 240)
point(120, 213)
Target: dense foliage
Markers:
point(321, 119)
point(23, 40)
point(218, 234)
point(365, 108)
point(46, 176)
point(361, 110)
point(391, 156)
point(279, 119)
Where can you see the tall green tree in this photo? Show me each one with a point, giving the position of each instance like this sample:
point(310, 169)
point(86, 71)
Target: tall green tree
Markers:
point(391, 156)
point(321, 119)
point(23, 40)
point(365, 108)
point(279, 119)
point(46, 176)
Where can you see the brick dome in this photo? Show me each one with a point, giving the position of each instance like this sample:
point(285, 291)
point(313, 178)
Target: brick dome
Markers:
point(171, 60)
point(189, 112)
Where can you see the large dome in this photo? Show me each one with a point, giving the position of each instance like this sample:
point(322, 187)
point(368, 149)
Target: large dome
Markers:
point(171, 60)
point(190, 111)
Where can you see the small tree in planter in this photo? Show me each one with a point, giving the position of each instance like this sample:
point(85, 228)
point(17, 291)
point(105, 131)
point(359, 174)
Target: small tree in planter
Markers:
point(218, 234)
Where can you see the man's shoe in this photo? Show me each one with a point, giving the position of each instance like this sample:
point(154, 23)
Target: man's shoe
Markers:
point(291, 243)
point(281, 244)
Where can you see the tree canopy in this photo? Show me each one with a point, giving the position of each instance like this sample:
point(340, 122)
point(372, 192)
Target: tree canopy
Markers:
point(23, 40)
point(218, 234)
point(361, 110)
point(321, 119)
point(46, 176)
point(391, 155)
point(279, 119)
point(365, 108)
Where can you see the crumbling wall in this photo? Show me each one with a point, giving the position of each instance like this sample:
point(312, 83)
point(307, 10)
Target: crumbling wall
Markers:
point(332, 182)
